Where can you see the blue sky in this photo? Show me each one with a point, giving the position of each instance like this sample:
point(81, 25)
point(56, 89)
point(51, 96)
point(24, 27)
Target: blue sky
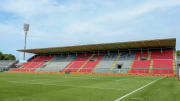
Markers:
point(74, 22)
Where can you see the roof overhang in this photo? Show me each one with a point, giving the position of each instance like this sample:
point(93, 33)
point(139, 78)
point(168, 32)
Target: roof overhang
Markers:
point(158, 43)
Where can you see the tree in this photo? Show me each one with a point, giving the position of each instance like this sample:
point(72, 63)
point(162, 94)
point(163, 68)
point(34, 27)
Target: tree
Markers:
point(11, 57)
point(7, 56)
point(178, 52)
point(1, 56)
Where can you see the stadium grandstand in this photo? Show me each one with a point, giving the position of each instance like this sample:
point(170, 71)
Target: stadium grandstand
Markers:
point(90, 50)
point(151, 57)
point(5, 65)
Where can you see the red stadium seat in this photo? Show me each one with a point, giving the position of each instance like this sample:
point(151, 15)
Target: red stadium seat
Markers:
point(141, 66)
point(77, 62)
point(167, 54)
point(92, 64)
point(139, 54)
point(162, 67)
point(34, 63)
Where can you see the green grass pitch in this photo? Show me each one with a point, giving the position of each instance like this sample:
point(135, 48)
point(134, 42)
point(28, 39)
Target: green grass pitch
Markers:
point(61, 87)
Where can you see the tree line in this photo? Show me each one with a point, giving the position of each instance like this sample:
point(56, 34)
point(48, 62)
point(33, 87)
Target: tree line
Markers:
point(178, 52)
point(7, 56)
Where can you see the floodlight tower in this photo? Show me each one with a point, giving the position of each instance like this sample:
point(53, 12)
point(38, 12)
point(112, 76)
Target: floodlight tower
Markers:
point(26, 29)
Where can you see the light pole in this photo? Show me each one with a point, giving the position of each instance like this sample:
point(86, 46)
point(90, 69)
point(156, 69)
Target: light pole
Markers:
point(26, 29)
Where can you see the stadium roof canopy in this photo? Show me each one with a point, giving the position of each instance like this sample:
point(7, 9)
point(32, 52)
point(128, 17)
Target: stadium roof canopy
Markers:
point(159, 43)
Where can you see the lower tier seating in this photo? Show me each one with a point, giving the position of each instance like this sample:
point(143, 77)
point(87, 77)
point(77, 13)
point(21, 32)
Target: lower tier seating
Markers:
point(7, 64)
point(106, 63)
point(34, 63)
point(92, 64)
point(89, 66)
point(104, 67)
point(77, 62)
point(124, 66)
point(56, 64)
point(74, 66)
point(141, 66)
point(162, 67)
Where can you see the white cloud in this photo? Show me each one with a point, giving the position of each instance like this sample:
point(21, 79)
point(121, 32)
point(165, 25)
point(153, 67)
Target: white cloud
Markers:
point(72, 22)
point(30, 8)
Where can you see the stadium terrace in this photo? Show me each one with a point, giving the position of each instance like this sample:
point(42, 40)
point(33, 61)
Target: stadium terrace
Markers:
point(147, 57)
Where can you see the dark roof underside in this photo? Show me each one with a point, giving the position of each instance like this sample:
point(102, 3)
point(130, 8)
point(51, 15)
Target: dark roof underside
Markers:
point(160, 43)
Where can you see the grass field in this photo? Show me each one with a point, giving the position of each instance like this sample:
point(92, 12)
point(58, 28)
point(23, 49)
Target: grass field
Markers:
point(61, 87)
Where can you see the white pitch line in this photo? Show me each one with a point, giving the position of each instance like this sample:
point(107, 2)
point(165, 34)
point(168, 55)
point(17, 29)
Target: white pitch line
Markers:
point(138, 89)
point(69, 86)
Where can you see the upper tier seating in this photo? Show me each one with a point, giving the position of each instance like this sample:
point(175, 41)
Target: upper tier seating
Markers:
point(75, 66)
point(110, 57)
point(82, 57)
point(166, 54)
point(141, 66)
point(162, 67)
point(127, 56)
point(92, 64)
point(139, 55)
